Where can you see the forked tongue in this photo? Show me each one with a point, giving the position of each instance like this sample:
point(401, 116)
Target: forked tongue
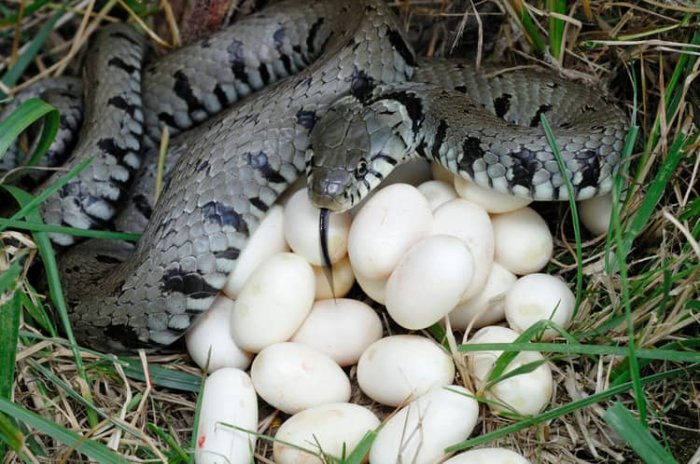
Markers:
point(323, 224)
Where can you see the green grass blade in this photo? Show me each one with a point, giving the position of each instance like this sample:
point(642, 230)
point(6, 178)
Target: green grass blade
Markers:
point(89, 233)
point(167, 378)
point(361, 451)
point(9, 333)
point(637, 436)
point(10, 434)
point(556, 28)
point(89, 448)
point(28, 10)
point(24, 116)
point(565, 409)
point(11, 77)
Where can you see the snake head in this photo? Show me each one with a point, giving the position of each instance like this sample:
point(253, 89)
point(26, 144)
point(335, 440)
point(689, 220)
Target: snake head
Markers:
point(354, 146)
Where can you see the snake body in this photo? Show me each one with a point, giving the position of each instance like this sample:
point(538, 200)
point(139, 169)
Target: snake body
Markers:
point(312, 74)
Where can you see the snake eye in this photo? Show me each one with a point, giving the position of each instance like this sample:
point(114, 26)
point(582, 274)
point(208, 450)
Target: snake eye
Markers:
point(361, 169)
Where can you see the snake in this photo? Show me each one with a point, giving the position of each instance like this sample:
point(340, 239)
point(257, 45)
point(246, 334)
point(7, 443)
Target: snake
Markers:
point(330, 89)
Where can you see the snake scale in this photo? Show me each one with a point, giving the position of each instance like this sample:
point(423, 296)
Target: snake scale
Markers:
point(331, 88)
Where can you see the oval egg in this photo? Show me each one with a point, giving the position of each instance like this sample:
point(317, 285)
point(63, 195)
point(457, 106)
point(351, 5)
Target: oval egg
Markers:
point(274, 302)
point(429, 281)
point(524, 243)
point(401, 367)
point(489, 199)
point(391, 221)
point(228, 397)
point(332, 428)
point(437, 193)
point(343, 278)
point(488, 456)
point(292, 377)
point(340, 328)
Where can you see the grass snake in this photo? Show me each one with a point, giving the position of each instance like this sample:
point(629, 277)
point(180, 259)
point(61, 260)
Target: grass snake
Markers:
point(327, 87)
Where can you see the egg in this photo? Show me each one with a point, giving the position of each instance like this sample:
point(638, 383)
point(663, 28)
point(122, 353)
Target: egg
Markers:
point(488, 456)
point(301, 230)
point(419, 432)
point(429, 281)
point(333, 429)
point(228, 419)
point(209, 341)
point(374, 288)
point(391, 221)
point(341, 328)
point(537, 297)
point(470, 223)
point(524, 243)
point(267, 241)
point(292, 377)
point(488, 306)
point(595, 214)
point(525, 394)
point(399, 368)
point(437, 193)
point(343, 279)
point(489, 199)
point(274, 302)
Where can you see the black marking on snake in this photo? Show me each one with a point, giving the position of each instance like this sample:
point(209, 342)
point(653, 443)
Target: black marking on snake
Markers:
point(287, 63)
point(191, 284)
point(183, 90)
point(142, 205)
point(123, 36)
point(264, 73)
point(413, 105)
point(461, 88)
point(420, 149)
point(502, 104)
point(523, 167)
point(205, 43)
point(396, 40)
point(236, 60)
point(221, 95)
point(306, 119)
point(223, 215)
point(123, 65)
point(122, 104)
point(313, 31)
point(540, 111)
point(167, 118)
point(587, 108)
point(260, 163)
point(106, 259)
point(590, 172)
point(278, 36)
point(384, 157)
point(258, 203)
point(552, 85)
point(352, 43)
point(124, 334)
point(361, 84)
point(201, 164)
point(471, 151)
point(109, 146)
point(230, 254)
point(440, 135)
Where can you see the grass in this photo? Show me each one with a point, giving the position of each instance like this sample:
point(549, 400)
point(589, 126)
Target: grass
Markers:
point(629, 363)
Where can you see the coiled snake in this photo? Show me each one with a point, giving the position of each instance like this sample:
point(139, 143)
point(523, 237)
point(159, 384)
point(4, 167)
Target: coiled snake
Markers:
point(310, 56)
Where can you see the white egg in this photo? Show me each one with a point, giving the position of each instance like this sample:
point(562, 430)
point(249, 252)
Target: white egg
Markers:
point(537, 297)
point(228, 401)
point(343, 278)
point(488, 456)
point(420, 431)
point(267, 241)
point(292, 377)
point(395, 218)
point(524, 243)
point(437, 192)
point(373, 288)
point(489, 199)
point(595, 214)
point(429, 281)
point(470, 223)
point(441, 174)
point(340, 328)
point(274, 302)
point(330, 428)
point(399, 368)
point(526, 393)
point(209, 340)
point(301, 230)
point(488, 306)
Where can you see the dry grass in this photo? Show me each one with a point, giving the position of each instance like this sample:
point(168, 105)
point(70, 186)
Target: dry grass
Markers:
point(609, 41)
